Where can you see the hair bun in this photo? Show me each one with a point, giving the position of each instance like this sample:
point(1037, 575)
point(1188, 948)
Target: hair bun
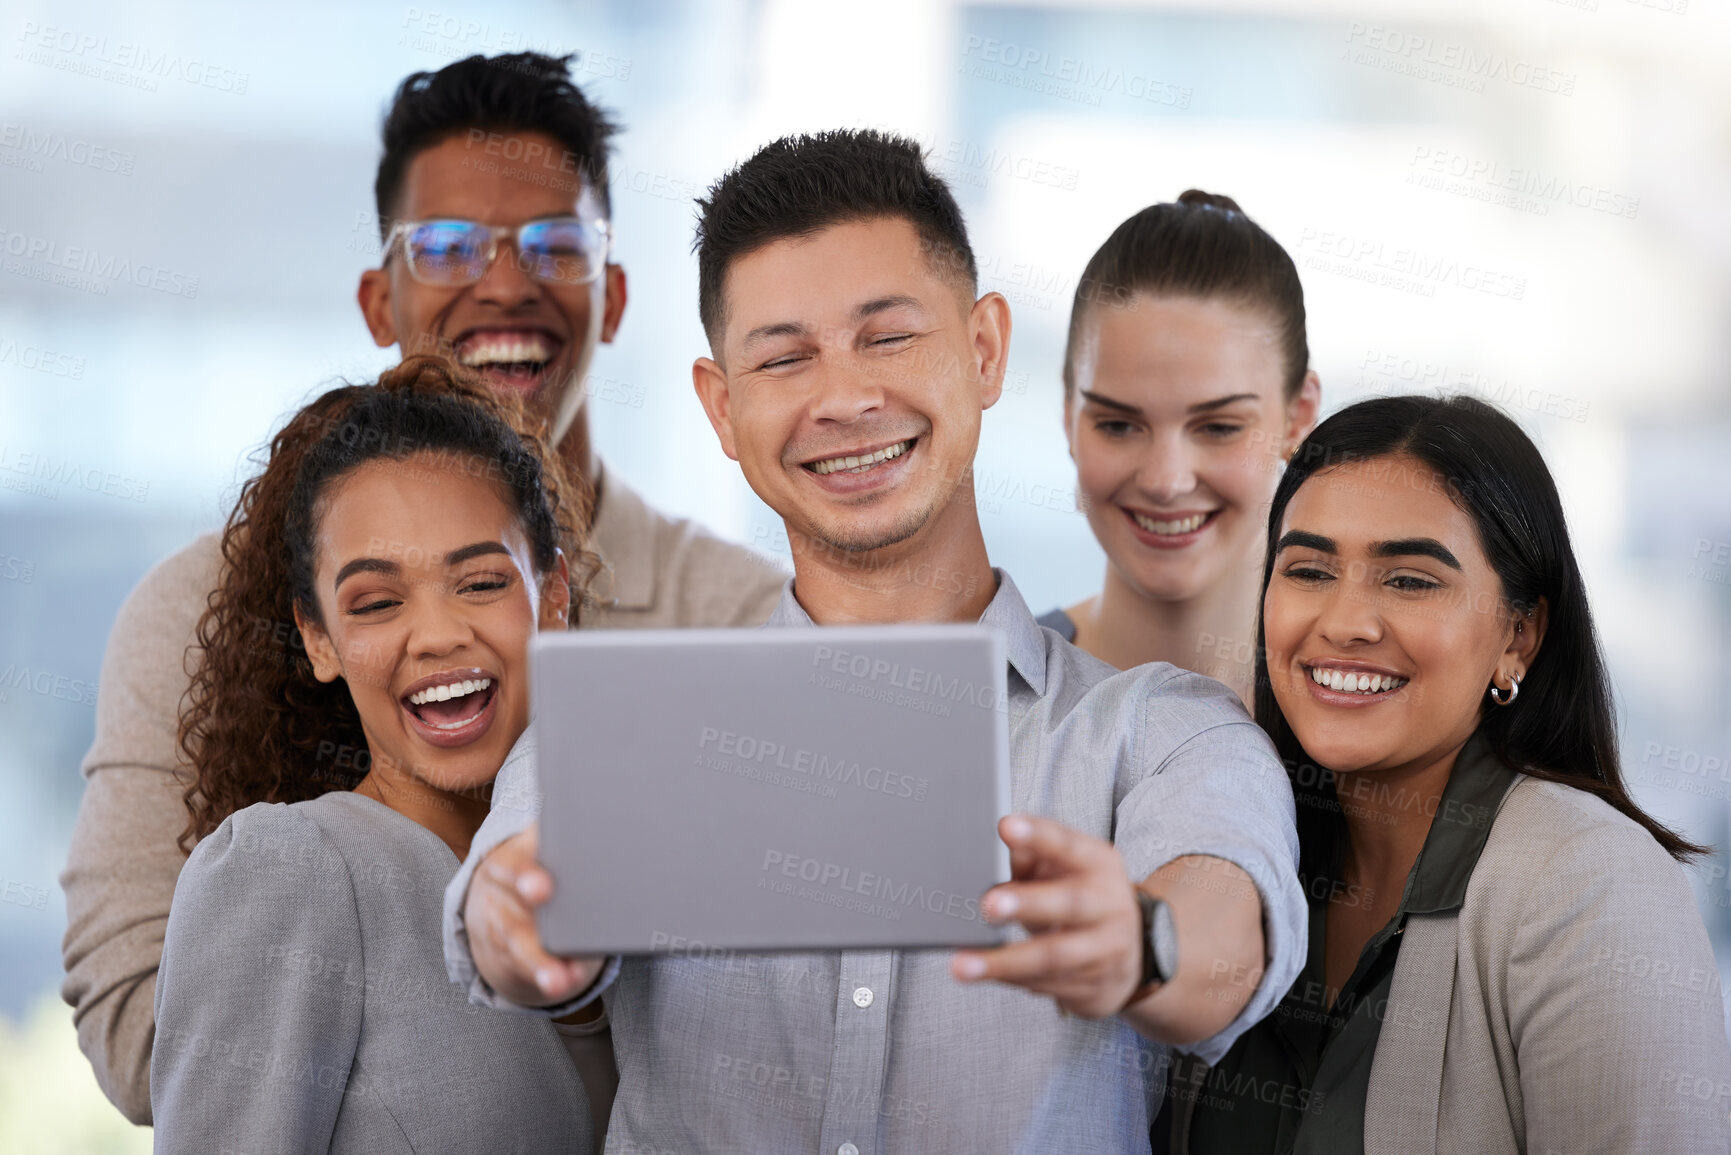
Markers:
point(1195, 196)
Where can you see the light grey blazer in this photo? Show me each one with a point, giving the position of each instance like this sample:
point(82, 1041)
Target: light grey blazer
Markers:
point(1571, 1004)
point(302, 1003)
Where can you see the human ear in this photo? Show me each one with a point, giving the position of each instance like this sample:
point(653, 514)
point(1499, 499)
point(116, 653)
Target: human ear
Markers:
point(1070, 421)
point(555, 611)
point(1301, 411)
point(1524, 642)
point(989, 333)
point(710, 381)
point(319, 648)
point(374, 297)
point(613, 307)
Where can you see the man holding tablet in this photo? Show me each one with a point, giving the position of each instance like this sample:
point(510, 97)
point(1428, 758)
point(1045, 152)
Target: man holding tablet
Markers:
point(851, 367)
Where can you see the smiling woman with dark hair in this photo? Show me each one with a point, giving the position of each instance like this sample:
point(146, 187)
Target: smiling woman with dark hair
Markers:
point(415, 539)
point(1429, 671)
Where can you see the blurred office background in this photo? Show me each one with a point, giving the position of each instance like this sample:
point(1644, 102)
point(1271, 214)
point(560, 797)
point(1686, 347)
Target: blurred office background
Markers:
point(1524, 199)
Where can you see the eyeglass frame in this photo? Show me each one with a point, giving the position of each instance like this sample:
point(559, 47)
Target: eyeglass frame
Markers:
point(401, 229)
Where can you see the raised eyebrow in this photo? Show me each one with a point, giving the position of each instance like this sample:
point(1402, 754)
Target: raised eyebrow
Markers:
point(1108, 403)
point(366, 565)
point(1221, 402)
point(1304, 539)
point(1417, 547)
point(478, 549)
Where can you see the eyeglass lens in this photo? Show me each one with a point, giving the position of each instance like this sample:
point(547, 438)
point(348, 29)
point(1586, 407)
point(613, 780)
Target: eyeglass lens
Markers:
point(456, 252)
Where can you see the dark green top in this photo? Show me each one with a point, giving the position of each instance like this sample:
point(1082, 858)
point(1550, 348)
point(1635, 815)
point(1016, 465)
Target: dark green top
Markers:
point(1296, 1083)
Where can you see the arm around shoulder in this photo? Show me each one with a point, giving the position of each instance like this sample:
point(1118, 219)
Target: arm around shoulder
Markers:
point(260, 997)
point(124, 857)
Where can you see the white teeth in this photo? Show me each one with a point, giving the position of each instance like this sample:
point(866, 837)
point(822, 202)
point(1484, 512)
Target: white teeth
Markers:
point(862, 463)
point(1355, 683)
point(1182, 525)
point(505, 350)
point(448, 691)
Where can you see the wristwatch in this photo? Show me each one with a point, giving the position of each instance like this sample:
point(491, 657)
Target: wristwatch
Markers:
point(1159, 945)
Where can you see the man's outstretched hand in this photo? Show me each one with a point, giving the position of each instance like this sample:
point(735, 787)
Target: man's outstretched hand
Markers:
point(1070, 892)
point(508, 886)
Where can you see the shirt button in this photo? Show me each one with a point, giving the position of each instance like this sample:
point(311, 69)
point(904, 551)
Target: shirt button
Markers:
point(849, 1148)
point(862, 998)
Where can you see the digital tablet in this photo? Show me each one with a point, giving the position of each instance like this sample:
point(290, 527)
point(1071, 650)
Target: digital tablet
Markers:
point(773, 789)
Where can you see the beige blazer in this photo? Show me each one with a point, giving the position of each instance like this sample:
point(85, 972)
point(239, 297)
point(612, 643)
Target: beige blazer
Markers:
point(1572, 1003)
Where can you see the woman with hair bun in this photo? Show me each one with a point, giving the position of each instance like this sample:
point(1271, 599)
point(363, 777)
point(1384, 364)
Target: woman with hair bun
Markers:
point(416, 540)
point(1186, 383)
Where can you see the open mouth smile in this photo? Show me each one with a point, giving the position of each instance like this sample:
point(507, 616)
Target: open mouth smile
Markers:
point(1170, 532)
point(1344, 686)
point(860, 462)
point(453, 707)
point(514, 358)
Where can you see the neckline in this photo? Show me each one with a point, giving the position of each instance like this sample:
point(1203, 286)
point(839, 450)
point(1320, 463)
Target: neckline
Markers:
point(368, 800)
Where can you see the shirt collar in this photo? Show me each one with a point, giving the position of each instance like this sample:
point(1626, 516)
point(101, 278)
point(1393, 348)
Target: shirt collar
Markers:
point(1458, 830)
point(1024, 642)
point(622, 536)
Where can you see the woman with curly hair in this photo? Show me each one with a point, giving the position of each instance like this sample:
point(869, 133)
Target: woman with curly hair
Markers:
point(415, 539)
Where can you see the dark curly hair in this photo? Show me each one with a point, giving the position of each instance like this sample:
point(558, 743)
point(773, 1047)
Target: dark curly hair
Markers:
point(256, 725)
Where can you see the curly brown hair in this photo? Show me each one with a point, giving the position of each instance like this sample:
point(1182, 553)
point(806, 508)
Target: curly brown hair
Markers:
point(256, 725)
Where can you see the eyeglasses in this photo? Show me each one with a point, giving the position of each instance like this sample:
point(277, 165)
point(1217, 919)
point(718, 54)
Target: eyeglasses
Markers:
point(558, 250)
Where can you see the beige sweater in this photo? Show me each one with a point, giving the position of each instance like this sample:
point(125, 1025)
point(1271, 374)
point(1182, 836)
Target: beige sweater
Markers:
point(123, 863)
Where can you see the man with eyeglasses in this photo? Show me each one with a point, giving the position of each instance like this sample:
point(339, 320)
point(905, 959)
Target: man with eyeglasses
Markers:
point(494, 206)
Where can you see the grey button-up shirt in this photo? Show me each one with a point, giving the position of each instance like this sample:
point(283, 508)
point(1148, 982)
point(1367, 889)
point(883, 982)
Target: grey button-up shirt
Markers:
point(882, 1051)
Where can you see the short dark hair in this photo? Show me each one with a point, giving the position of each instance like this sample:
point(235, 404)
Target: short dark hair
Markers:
point(802, 184)
point(519, 92)
point(1565, 727)
point(1202, 246)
